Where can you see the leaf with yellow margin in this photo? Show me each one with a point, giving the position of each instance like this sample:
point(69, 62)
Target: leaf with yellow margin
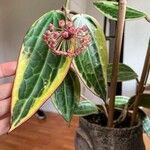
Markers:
point(39, 72)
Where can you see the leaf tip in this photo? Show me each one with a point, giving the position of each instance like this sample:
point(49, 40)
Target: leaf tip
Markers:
point(11, 129)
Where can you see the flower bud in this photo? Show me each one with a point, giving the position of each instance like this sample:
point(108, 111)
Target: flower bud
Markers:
point(51, 27)
point(61, 23)
point(56, 35)
point(84, 28)
point(65, 34)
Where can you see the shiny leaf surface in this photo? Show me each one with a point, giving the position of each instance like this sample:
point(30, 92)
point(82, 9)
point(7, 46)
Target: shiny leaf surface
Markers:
point(91, 65)
point(85, 107)
point(67, 96)
point(110, 10)
point(39, 72)
point(144, 102)
point(121, 101)
point(145, 122)
point(125, 73)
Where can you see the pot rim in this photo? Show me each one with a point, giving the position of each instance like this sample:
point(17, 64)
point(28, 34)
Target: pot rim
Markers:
point(84, 121)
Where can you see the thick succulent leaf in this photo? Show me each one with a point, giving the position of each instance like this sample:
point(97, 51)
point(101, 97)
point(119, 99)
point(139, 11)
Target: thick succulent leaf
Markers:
point(39, 72)
point(110, 10)
point(145, 122)
point(121, 101)
point(91, 65)
point(85, 107)
point(144, 100)
point(125, 73)
point(67, 96)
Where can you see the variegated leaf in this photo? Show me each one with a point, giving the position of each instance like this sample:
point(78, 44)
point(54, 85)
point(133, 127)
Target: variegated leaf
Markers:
point(121, 101)
point(85, 107)
point(39, 72)
point(125, 73)
point(146, 125)
point(67, 96)
point(91, 65)
point(110, 10)
point(145, 122)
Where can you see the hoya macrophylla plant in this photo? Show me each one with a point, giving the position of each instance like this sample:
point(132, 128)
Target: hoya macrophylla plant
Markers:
point(57, 50)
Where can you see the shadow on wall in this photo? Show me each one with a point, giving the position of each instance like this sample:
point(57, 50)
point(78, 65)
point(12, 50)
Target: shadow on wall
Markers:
point(15, 18)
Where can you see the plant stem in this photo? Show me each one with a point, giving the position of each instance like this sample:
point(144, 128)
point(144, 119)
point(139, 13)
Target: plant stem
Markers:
point(117, 52)
point(140, 89)
point(105, 110)
point(67, 4)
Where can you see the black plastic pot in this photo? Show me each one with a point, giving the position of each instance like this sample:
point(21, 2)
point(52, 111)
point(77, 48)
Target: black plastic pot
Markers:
point(91, 136)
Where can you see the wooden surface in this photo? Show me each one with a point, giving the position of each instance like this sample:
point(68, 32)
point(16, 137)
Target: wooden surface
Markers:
point(50, 134)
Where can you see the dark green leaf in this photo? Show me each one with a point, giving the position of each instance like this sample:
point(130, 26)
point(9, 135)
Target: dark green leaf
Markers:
point(125, 73)
point(85, 107)
point(110, 10)
point(91, 65)
point(144, 100)
point(67, 96)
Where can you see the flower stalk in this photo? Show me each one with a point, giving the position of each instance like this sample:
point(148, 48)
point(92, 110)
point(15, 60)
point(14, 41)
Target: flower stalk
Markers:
point(141, 87)
point(117, 53)
point(67, 4)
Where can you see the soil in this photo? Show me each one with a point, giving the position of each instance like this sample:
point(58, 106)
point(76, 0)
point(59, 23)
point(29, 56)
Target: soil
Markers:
point(100, 119)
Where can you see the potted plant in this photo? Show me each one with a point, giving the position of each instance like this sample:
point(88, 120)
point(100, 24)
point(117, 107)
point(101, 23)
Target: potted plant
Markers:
point(63, 46)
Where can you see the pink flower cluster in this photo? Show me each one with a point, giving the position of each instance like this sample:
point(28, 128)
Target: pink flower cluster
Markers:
point(55, 38)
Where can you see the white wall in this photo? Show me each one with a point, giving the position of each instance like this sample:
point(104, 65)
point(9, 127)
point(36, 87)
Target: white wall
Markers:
point(137, 34)
point(79, 6)
point(91, 10)
point(15, 18)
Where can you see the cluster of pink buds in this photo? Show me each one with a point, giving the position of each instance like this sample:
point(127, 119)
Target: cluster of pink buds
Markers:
point(55, 38)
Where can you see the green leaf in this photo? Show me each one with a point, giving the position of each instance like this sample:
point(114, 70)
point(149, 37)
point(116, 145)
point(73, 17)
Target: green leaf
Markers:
point(110, 10)
point(39, 72)
point(146, 125)
point(121, 101)
point(85, 107)
point(145, 122)
point(125, 73)
point(91, 65)
point(144, 100)
point(67, 96)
